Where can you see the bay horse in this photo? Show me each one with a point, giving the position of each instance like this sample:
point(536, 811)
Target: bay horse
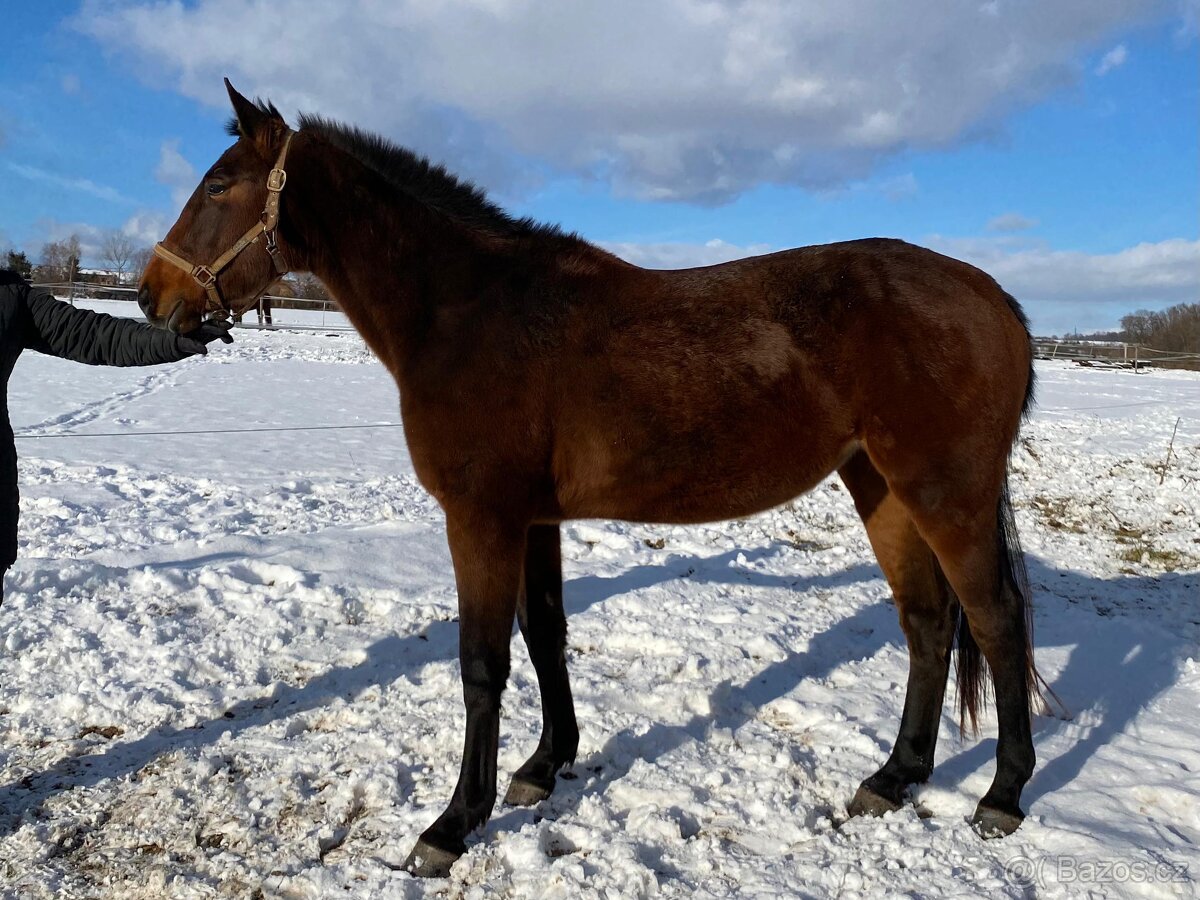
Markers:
point(542, 379)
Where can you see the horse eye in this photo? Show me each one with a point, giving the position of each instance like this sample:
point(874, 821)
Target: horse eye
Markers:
point(214, 188)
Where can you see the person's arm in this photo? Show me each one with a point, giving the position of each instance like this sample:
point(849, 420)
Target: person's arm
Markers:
point(103, 340)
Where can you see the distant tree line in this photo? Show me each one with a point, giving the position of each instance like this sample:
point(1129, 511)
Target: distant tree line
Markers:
point(1176, 329)
point(126, 259)
point(1170, 331)
point(60, 261)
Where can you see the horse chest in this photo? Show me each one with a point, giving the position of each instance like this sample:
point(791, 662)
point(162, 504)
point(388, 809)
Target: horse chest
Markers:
point(471, 455)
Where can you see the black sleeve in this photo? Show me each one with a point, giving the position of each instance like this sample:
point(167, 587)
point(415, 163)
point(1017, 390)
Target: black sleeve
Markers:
point(95, 338)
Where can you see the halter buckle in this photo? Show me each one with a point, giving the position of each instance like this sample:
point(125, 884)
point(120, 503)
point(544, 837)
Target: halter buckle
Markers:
point(204, 276)
point(276, 180)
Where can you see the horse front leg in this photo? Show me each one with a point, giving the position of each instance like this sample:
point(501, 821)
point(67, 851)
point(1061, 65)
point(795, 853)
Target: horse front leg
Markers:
point(544, 627)
point(488, 553)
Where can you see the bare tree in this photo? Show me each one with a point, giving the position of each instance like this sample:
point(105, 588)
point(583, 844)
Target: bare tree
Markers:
point(1137, 326)
point(308, 287)
point(60, 260)
point(117, 249)
point(141, 259)
point(1176, 328)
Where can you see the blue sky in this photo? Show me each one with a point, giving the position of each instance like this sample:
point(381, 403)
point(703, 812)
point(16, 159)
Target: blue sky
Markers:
point(1061, 152)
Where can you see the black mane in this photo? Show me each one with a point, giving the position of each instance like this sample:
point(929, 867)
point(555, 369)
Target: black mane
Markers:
point(426, 181)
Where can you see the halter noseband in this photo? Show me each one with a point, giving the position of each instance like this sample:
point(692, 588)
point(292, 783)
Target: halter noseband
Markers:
point(206, 276)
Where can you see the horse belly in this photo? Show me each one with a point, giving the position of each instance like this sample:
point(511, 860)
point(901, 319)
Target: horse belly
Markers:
point(728, 466)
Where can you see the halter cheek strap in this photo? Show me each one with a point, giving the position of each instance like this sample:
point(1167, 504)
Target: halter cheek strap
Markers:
point(268, 222)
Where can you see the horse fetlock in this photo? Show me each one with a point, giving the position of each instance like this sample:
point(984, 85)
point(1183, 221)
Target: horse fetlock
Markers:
point(904, 767)
point(565, 750)
point(538, 776)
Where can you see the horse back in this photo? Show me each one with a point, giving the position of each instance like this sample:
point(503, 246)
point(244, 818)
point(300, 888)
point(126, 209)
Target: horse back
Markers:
point(717, 392)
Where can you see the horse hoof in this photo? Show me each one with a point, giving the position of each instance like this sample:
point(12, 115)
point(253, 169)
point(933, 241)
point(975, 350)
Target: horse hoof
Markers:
point(428, 861)
point(993, 823)
point(868, 803)
point(525, 793)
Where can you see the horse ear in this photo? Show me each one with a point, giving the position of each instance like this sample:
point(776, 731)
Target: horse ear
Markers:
point(248, 119)
point(251, 121)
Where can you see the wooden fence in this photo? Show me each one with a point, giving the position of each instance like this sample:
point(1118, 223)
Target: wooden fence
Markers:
point(72, 291)
point(1114, 355)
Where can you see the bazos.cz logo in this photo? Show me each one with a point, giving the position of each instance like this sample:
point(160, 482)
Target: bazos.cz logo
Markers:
point(1064, 869)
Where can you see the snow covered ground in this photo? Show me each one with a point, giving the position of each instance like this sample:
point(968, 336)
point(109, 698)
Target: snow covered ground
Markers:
point(228, 662)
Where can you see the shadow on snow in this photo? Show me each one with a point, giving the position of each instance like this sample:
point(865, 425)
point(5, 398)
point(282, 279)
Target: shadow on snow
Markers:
point(1134, 665)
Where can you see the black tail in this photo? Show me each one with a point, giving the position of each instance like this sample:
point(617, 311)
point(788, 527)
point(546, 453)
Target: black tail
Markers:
point(970, 669)
point(1030, 384)
point(970, 666)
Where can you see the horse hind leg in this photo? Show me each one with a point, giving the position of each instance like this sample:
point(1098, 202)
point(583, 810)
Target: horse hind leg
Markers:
point(977, 548)
point(928, 611)
point(544, 627)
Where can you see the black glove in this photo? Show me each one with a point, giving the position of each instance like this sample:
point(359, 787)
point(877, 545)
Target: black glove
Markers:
point(194, 341)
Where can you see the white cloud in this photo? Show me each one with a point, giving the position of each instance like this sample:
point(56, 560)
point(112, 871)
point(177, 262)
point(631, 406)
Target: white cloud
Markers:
point(147, 227)
point(1060, 289)
point(672, 99)
point(1189, 10)
point(1112, 59)
point(45, 230)
point(1011, 222)
point(894, 188)
point(901, 187)
point(679, 255)
point(1159, 272)
point(175, 172)
point(77, 185)
point(1067, 289)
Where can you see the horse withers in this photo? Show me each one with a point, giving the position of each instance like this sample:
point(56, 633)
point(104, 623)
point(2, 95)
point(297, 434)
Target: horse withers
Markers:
point(542, 379)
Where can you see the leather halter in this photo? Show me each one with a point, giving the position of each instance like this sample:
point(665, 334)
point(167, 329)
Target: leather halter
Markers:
point(206, 276)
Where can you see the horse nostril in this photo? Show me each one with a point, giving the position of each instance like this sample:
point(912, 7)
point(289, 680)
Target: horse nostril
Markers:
point(144, 299)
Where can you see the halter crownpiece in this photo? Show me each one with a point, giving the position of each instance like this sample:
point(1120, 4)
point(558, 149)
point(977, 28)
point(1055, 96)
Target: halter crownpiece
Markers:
point(206, 276)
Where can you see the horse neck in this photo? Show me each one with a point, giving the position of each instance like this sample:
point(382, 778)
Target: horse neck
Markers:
point(388, 261)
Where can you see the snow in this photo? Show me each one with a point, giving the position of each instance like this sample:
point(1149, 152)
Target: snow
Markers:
point(228, 662)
